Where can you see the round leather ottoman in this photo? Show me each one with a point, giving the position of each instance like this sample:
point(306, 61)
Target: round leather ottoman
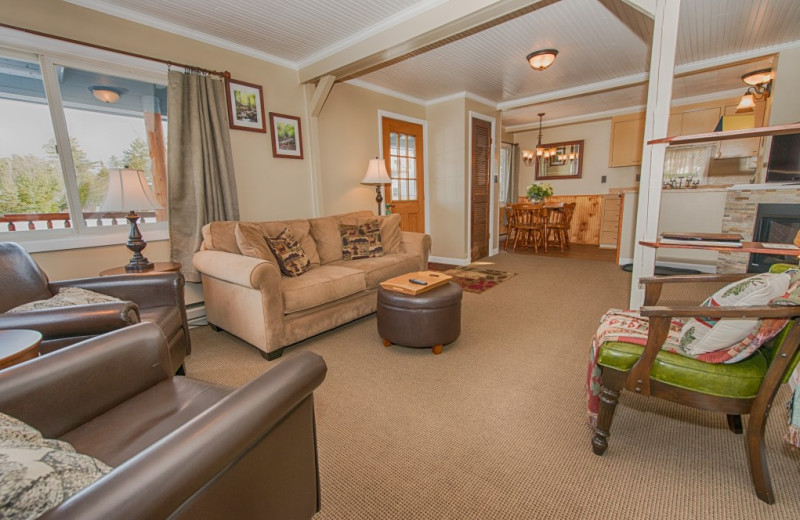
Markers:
point(428, 319)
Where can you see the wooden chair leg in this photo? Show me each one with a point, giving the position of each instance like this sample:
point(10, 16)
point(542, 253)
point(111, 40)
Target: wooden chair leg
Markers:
point(756, 456)
point(735, 424)
point(605, 414)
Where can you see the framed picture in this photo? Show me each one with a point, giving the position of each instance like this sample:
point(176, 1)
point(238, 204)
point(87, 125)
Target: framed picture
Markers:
point(287, 140)
point(246, 106)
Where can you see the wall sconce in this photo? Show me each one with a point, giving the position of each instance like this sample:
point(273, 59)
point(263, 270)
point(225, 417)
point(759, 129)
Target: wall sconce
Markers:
point(760, 82)
point(107, 94)
point(527, 157)
point(377, 176)
point(540, 60)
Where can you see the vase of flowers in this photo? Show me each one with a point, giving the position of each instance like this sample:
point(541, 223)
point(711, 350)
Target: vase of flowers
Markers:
point(538, 191)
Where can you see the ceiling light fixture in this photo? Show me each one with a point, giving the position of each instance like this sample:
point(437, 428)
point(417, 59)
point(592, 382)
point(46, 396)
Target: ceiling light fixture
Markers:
point(760, 82)
point(543, 151)
point(540, 60)
point(107, 94)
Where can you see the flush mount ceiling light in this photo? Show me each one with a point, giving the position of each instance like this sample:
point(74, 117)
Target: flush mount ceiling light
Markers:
point(107, 94)
point(540, 60)
point(760, 82)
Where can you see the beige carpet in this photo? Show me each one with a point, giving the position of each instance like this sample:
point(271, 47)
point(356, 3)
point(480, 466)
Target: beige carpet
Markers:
point(495, 426)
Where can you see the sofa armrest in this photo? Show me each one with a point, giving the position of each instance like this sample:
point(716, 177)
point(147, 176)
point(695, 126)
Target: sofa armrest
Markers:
point(252, 455)
point(76, 320)
point(241, 270)
point(62, 390)
point(151, 290)
point(418, 244)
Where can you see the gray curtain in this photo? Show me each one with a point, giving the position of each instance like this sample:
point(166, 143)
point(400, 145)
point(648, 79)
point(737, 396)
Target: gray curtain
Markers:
point(512, 191)
point(202, 186)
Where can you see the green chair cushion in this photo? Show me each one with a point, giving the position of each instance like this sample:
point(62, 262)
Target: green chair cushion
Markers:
point(737, 380)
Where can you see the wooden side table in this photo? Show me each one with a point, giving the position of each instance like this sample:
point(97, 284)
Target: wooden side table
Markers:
point(17, 346)
point(158, 267)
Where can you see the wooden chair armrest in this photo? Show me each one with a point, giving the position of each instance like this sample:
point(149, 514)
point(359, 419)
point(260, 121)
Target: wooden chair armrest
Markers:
point(654, 284)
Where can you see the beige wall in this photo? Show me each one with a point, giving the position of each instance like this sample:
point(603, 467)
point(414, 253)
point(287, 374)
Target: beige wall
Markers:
point(447, 181)
point(596, 136)
point(785, 101)
point(349, 137)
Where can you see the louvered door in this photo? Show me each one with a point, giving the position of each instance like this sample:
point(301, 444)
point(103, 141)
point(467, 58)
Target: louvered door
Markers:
point(481, 171)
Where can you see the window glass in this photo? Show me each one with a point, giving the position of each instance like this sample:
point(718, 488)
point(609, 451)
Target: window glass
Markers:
point(32, 191)
point(102, 120)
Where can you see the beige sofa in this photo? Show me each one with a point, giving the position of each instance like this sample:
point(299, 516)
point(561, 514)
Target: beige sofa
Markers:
point(247, 296)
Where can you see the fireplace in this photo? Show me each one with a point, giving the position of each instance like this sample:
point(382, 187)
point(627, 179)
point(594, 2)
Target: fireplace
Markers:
point(777, 224)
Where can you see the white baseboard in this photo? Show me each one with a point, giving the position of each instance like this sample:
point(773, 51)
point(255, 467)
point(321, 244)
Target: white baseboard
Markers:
point(703, 268)
point(195, 311)
point(446, 260)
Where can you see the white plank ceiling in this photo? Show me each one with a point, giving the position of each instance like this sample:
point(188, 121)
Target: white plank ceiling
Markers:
point(604, 47)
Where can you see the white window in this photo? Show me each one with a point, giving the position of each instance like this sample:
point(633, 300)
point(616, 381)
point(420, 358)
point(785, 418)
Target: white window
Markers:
point(64, 123)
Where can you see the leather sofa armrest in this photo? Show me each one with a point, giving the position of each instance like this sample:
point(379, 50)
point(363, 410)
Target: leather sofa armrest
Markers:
point(241, 270)
point(151, 290)
point(62, 390)
point(418, 244)
point(76, 320)
point(207, 465)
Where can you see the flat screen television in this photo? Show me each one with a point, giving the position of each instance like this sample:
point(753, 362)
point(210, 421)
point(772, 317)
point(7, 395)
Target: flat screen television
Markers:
point(784, 159)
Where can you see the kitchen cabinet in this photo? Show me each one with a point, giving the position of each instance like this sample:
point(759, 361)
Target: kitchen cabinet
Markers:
point(627, 136)
point(609, 226)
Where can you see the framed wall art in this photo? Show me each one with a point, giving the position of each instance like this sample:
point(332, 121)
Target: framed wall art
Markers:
point(287, 139)
point(246, 106)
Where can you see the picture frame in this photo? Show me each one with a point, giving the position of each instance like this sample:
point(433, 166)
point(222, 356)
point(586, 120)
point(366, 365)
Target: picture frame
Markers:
point(287, 136)
point(246, 106)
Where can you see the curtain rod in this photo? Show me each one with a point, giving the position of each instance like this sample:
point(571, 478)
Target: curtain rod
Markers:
point(223, 74)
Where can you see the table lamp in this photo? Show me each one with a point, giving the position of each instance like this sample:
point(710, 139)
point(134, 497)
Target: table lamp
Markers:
point(128, 191)
point(377, 176)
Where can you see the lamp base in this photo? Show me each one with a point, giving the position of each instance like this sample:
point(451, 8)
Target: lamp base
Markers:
point(135, 243)
point(379, 197)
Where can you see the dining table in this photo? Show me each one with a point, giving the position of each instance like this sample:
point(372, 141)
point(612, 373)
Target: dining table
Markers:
point(531, 221)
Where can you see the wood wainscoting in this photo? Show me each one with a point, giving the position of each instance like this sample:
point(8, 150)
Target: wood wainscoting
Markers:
point(587, 219)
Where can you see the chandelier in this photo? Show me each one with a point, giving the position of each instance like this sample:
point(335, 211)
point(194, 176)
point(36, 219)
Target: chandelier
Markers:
point(542, 151)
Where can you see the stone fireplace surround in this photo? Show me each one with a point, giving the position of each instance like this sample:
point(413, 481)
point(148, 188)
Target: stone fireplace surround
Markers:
point(741, 206)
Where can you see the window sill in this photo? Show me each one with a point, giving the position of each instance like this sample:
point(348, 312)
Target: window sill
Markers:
point(85, 240)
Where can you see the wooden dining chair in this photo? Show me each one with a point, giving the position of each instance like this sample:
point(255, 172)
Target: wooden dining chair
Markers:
point(559, 220)
point(511, 225)
point(531, 224)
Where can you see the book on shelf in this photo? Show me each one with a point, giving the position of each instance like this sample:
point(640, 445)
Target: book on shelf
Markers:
point(703, 239)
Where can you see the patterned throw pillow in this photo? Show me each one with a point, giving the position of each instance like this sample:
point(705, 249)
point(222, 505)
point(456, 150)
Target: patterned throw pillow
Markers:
point(37, 474)
point(291, 258)
point(67, 296)
point(362, 241)
point(703, 335)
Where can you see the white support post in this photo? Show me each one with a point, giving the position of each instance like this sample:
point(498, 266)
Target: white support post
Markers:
point(659, 95)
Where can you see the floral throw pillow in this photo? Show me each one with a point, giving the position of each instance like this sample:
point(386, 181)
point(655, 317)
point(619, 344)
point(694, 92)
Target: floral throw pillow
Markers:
point(291, 258)
point(703, 335)
point(361, 241)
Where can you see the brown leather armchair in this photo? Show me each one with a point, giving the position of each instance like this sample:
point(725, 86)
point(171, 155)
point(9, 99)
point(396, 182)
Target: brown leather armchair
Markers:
point(156, 297)
point(179, 448)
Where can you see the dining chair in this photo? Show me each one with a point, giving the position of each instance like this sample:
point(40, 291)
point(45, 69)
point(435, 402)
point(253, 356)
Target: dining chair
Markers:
point(511, 225)
point(559, 219)
point(530, 222)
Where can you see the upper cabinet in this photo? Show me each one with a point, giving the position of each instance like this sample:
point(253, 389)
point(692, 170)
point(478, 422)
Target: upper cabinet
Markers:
point(627, 132)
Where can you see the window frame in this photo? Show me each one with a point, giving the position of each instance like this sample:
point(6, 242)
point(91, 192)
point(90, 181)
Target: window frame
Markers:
point(49, 53)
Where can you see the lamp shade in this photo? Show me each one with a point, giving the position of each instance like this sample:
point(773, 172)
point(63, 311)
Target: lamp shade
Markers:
point(376, 173)
point(128, 190)
point(746, 104)
point(107, 94)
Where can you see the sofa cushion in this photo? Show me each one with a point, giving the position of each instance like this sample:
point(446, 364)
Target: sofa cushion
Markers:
point(361, 241)
point(291, 258)
point(390, 231)
point(252, 241)
point(220, 236)
point(321, 285)
point(37, 474)
point(66, 297)
point(350, 219)
point(325, 232)
point(381, 268)
point(301, 231)
point(703, 335)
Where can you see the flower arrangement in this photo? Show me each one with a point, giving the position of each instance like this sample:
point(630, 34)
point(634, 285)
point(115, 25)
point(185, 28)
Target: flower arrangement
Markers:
point(540, 190)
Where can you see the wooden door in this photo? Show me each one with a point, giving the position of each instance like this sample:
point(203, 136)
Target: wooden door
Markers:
point(403, 153)
point(481, 200)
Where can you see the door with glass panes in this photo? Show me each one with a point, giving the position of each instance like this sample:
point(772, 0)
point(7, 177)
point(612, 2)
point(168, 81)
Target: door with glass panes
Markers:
point(403, 153)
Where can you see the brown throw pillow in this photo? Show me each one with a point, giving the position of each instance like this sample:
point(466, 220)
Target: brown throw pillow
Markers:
point(291, 258)
point(362, 241)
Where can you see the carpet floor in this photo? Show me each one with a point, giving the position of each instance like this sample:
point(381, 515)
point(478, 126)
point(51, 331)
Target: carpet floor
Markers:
point(494, 427)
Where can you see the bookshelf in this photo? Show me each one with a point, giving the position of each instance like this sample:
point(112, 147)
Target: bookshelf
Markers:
point(747, 247)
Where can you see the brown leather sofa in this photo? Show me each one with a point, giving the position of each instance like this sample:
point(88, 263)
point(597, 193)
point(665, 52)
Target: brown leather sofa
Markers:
point(179, 448)
point(157, 298)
